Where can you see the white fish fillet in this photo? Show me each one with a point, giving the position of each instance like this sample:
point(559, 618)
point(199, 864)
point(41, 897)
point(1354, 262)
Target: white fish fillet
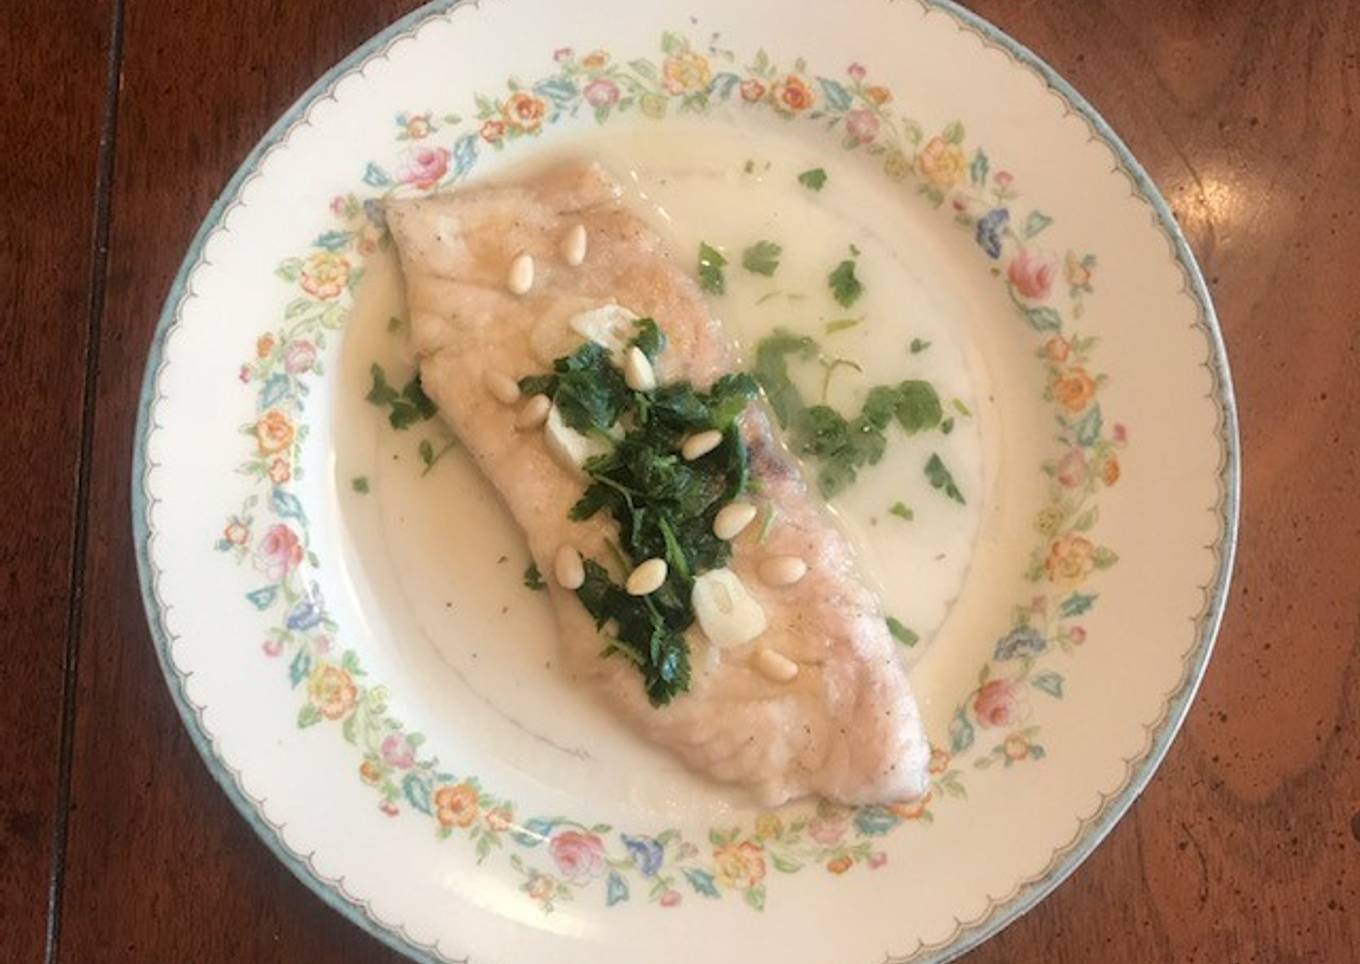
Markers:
point(847, 728)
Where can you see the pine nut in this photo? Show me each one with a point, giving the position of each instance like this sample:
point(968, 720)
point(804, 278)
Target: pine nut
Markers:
point(700, 444)
point(637, 371)
point(775, 666)
point(567, 566)
point(521, 274)
point(647, 578)
point(782, 570)
point(533, 414)
point(574, 245)
point(502, 387)
point(732, 519)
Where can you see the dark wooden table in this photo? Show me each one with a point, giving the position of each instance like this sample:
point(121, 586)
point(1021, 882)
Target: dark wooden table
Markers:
point(120, 120)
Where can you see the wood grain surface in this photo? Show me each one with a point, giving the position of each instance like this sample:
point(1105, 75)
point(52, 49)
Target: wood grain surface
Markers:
point(1246, 846)
point(50, 124)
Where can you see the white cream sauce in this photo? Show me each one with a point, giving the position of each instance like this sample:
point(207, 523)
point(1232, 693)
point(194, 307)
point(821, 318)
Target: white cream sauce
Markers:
point(731, 188)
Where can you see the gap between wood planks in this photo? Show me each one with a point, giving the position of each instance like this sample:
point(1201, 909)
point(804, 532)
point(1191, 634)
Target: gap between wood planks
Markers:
point(99, 256)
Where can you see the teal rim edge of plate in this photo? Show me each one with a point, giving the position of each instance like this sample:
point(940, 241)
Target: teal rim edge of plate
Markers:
point(1000, 913)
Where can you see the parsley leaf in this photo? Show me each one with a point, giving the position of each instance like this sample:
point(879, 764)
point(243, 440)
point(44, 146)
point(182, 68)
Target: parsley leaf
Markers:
point(901, 633)
point(918, 406)
point(359, 484)
point(649, 338)
point(901, 510)
point(842, 446)
point(405, 407)
point(762, 258)
point(663, 505)
point(772, 371)
point(711, 263)
point(532, 579)
point(813, 179)
point(845, 287)
point(586, 388)
point(381, 393)
point(428, 455)
point(918, 345)
point(940, 478)
point(647, 633)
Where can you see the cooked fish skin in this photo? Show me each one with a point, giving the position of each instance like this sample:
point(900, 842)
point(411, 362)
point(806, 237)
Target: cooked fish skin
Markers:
point(847, 728)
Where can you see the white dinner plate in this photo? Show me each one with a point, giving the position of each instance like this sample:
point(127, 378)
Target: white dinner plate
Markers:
point(338, 605)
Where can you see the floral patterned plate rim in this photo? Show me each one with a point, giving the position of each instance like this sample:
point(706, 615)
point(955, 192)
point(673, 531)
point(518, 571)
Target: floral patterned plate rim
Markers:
point(581, 864)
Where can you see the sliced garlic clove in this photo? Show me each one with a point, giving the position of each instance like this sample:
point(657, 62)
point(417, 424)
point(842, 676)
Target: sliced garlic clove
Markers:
point(726, 612)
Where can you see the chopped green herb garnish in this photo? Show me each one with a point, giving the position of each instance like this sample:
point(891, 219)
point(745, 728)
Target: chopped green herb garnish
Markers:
point(947, 425)
point(359, 484)
point(428, 455)
point(940, 478)
point(919, 345)
point(901, 633)
point(750, 167)
point(772, 371)
point(586, 388)
point(768, 296)
point(901, 510)
point(394, 323)
point(532, 579)
point(841, 324)
point(841, 445)
point(961, 408)
point(762, 258)
point(405, 407)
point(650, 632)
point(854, 250)
point(664, 505)
point(649, 338)
point(711, 263)
point(845, 287)
point(918, 406)
point(814, 178)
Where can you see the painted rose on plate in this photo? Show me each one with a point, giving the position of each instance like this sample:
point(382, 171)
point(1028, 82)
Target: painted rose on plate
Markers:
point(524, 110)
point(739, 865)
point(299, 357)
point(579, 856)
point(1070, 560)
point(685, 73)
point(997, 703)
point(457, 806)
point(422, 167)
point(942, 163)
point(601, 93)
point(280, 551)
point(861, 125)
point(792, 95)
point(332, 692)
point(325, 274)
point(1031, 274)
point(1074, 389)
